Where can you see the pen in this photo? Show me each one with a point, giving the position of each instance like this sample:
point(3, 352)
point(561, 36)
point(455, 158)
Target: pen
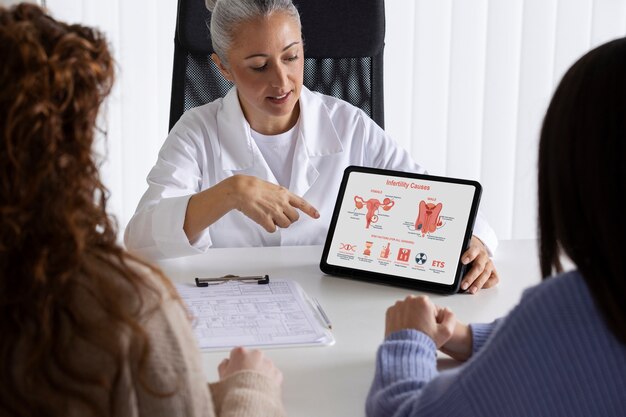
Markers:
point(259, 279)
point(323, 313)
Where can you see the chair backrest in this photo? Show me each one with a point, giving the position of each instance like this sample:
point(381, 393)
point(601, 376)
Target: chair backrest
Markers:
point(344, 42)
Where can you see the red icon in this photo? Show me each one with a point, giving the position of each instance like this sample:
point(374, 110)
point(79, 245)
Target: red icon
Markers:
point(368, 247)
point(403, 254)
point(372, 205)
point(385, 252)
point(439, 264)
point(347, 247)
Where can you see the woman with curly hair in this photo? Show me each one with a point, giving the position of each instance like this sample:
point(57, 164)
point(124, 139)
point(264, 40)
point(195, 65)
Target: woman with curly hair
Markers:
point(87, 329)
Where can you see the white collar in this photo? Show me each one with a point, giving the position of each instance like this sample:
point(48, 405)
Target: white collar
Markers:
point(238, 148)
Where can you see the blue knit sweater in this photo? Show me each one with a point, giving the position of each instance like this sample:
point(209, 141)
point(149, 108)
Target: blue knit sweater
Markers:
point(552, 355)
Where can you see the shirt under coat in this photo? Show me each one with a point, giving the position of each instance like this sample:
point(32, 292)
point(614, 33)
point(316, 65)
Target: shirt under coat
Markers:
point(213, 142)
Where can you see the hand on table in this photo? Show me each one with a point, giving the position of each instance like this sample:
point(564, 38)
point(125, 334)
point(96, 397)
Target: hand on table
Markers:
point(421, 314)
point(482, 273)
point(242, 359)
point(268, 204)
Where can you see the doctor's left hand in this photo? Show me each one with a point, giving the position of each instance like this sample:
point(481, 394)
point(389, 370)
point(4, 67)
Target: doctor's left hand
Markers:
point(482, 273)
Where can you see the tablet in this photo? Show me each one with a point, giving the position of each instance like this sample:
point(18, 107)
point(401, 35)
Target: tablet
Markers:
point(400, 228)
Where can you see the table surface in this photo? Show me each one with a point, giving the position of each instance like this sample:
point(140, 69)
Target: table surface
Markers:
point(334, 380)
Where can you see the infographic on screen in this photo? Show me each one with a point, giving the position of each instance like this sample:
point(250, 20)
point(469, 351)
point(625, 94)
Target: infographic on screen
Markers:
point(406, 227)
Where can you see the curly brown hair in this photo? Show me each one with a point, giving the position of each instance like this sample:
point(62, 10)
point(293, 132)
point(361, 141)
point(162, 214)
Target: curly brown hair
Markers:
point(55, 235)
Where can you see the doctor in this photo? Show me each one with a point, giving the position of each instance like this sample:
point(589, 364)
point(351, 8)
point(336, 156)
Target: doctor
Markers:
point(263, 165)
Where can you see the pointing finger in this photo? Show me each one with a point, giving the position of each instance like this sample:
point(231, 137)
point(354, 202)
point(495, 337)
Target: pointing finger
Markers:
point(304, 206)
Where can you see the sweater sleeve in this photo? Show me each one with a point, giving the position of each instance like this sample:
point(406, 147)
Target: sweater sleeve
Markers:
point(170, 381)
point(407, 383)
point(247, 394)
point(405, 362)
point(480, 333)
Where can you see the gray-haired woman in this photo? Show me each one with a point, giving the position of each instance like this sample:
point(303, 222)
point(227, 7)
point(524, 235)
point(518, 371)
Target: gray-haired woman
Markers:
point(236, 172)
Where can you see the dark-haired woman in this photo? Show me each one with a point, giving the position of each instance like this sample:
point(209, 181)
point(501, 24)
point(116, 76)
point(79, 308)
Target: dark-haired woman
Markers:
point(85, 328)
point(562, 350)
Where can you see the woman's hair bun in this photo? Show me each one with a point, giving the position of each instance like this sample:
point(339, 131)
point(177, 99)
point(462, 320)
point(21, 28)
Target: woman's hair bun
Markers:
point(210, 4)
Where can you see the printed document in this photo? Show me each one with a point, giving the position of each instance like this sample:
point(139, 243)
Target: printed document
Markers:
point(249, 314)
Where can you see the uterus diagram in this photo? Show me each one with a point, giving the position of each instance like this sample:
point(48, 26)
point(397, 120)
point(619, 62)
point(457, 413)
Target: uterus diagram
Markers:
point(428, 219)
point(372, 205)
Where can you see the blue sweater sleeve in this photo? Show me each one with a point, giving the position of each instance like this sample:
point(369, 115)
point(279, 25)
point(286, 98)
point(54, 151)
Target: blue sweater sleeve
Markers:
point(480, 334)
point(405, 362)
point(403, 385)
point(552, 355)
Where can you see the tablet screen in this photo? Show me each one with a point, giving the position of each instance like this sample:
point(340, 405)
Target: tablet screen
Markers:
point(390, 224)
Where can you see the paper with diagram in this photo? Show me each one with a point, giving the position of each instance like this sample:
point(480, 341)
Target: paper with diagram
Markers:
point(248, 314)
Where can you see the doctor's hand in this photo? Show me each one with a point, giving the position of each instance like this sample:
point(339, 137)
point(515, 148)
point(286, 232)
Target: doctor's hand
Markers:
point(419, 313)
point(242, 359)
point(482, 273)
point(268, 204)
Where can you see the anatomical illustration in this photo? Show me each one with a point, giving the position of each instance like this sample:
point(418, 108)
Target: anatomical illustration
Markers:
point(372, 205)
point(428, 218)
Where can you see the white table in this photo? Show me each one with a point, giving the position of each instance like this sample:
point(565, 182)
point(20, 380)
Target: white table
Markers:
point(333, 381)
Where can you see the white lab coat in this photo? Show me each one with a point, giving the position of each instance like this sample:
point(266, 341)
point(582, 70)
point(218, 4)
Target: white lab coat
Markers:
point(213, 142)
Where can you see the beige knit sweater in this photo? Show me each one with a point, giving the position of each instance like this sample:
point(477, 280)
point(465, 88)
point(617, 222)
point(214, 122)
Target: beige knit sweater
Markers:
point(176, 353)
point(174, 365)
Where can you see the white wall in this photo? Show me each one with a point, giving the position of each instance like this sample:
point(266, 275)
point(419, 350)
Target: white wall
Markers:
point(137, 115)
point(466, 86)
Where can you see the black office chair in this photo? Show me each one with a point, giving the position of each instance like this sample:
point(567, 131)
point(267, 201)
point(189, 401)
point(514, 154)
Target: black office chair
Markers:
point(343, 39)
